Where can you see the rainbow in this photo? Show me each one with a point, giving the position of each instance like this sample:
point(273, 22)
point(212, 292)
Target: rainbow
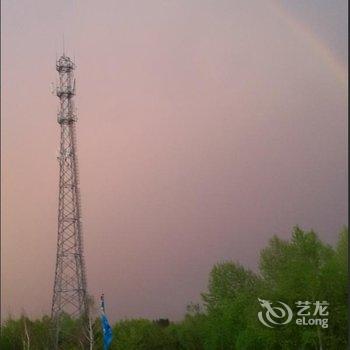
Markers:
point(337, 67)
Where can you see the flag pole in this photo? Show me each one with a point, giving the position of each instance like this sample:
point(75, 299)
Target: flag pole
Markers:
point(102, 303)
point(106, 328)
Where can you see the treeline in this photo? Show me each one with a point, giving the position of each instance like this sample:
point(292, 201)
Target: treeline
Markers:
point(303, 269)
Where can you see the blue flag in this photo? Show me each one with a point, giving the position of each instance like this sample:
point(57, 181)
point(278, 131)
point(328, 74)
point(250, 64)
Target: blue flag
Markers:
point(107, 332)
point(106, 328)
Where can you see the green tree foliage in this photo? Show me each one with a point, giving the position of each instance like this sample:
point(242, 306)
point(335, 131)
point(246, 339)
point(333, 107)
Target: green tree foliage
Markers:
point(190, 333)
point(24, 334)
point(305, 269)
point(227, 281)
point(300, 269)
point(141, 334)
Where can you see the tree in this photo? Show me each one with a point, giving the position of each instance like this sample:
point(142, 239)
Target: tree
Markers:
point(301, 269)
point(226, 281)
point(141, 334)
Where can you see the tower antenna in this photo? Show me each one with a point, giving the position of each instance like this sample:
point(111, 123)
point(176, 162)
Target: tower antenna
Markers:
point(64, 46)
point(70, 288)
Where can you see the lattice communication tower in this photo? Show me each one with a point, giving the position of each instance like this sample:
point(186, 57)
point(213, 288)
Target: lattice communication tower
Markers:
point(70, 290)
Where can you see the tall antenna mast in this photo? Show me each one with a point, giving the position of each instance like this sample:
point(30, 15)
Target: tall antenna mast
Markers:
point(70, 290)
point(64, 46)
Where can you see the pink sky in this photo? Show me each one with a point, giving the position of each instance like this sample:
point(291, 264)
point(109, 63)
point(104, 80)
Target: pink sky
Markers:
point(204, 128)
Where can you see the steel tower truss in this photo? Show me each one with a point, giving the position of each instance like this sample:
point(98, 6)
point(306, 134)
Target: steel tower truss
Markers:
point(70, 290)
